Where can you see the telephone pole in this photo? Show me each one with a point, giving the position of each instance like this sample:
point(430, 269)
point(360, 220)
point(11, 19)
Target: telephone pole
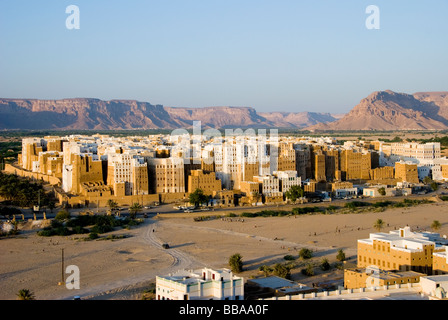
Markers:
point(62, 268)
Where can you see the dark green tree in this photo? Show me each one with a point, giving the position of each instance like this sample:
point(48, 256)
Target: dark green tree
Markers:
point(197, 197)
point(341, 255)
point(25, 294)
point(325, 265)
point(134, 210)
point(294, 193)
point(236, 263)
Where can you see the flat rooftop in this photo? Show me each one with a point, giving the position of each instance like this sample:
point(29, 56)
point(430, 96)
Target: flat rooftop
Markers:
point(275, 282)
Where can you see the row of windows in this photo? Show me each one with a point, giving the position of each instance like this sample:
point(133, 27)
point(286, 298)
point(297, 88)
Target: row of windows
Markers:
point(380, 263)
point(170, 166)
point(381, 248)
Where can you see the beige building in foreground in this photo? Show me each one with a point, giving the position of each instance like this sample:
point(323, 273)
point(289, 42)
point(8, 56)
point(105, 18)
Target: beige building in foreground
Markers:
point(369, 277)
point(401, 250)
point(440, 262)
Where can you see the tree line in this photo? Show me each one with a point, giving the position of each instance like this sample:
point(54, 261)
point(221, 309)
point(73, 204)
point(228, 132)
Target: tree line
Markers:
point(22, 192)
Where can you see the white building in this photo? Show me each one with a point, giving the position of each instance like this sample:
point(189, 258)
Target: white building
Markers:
point(426, 156)
point(435, 286)
point(270, 185)
point(347, 192)
point(202, 284)
point(122, 167)
point(287, 179)
point(234, 155)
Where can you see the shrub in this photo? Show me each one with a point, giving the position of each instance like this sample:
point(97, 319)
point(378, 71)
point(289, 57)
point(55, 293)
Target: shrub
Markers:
point(305, 253)
point(101, 228)
point(288, 257)
point(266, 270)
point(93, 236)
point(249, 215)
point(56, 224)
point(382, 204)
point(356, 204)
point(325, 265)
point(282, 271)
point(309, 270)
point(46, 232)
point(305, 210)
point(57, 230)
point(79, 230)
point(62, 215)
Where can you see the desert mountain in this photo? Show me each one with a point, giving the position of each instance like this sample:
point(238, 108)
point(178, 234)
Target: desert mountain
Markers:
point(299, 119)
point(81, 114)
point(388, 110)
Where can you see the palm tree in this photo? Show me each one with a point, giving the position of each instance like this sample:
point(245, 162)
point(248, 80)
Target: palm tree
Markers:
point(112, 204)
point(25, 294)
point(378, 225)
point(436, 225)
point(256, 195)
point(134, 210)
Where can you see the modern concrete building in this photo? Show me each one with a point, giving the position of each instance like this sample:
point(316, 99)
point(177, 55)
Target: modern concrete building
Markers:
point(436, 287)
point(202, 284)
point(401, 250)
point(374, 277)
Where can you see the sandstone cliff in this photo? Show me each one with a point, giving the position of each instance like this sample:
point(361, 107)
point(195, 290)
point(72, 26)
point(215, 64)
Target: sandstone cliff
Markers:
point(388, 110)
point(81, 114)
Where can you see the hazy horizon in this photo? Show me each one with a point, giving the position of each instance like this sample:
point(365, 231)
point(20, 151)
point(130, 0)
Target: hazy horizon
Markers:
point(286, 56)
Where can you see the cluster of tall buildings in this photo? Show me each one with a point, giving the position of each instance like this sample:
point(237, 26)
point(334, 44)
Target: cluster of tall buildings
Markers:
point(230, 170)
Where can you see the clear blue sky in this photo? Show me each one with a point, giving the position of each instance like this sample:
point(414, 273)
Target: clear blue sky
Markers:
point(283, 55)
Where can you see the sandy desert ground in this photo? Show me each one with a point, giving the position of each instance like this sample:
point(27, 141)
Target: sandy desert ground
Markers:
point(124, 268)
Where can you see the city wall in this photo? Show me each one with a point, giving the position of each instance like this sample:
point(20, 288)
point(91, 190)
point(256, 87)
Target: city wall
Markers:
point(33, 175)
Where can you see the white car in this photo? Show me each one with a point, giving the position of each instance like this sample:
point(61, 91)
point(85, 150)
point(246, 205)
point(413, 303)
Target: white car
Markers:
point(188, 211)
